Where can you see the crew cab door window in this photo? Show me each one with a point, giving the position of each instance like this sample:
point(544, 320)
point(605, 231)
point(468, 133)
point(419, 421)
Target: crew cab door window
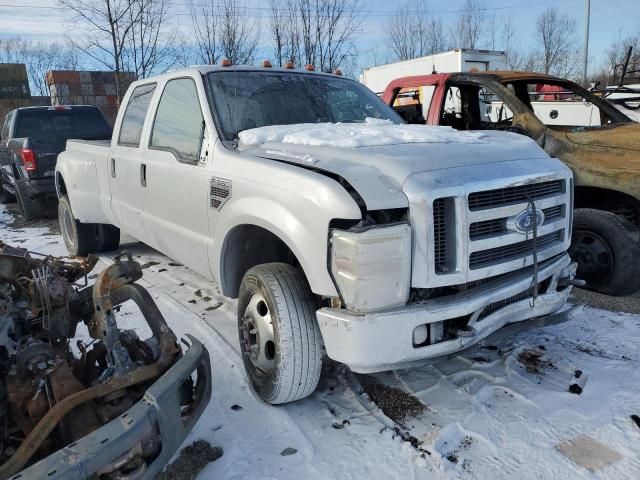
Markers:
point(494, 112)
point(413, 103)
point(555, 105)
point(179, 124)
point(134, 115)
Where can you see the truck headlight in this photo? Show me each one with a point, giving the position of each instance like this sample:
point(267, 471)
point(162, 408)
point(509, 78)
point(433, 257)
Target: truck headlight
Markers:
point(372, 268)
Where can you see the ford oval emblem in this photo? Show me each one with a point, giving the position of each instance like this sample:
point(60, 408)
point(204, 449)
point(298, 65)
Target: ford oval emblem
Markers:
point(525, 220)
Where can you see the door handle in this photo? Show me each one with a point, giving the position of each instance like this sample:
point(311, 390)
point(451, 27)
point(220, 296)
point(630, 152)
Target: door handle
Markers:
point(113, 167)
point(143, 174)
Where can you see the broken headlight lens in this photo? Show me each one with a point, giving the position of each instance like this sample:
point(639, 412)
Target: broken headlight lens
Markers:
point(372, 268)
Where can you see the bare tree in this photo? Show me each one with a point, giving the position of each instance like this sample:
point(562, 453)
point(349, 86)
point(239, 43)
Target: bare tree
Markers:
point(407, 31)
point(285, 31)
point(149, 47)
point(412, 32)
point(615, 56)
point(239, 33)
point(468, 30)
point(555, 34)
point(206, 20)
point(110, 25)
point(39, 58)
point(224, 30)
point(326, 31)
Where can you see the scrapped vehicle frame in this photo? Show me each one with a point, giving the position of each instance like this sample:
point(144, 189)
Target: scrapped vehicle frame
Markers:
point(604, 161)
point(132, 402)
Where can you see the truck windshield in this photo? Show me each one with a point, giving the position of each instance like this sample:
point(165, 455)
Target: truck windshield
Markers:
point(81, 123)
point(248, 99)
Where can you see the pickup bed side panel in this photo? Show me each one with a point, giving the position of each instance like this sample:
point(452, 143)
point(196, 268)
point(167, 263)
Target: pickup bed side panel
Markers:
point(78, 166)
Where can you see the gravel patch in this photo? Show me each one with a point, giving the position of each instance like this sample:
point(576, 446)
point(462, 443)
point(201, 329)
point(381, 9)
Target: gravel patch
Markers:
point(191, 461)
point(396, 404)
point(628, 304)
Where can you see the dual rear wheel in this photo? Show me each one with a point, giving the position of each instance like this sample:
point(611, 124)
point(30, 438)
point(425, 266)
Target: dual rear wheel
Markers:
point(82, 239)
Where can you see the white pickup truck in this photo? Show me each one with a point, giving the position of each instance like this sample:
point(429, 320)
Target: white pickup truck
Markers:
point(341, 231)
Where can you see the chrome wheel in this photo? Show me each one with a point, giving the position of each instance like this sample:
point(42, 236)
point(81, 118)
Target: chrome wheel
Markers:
point(257, 334)
point(66, 225)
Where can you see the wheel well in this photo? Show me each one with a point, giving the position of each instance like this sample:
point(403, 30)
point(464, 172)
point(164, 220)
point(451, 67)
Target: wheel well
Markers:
point(609, 200)
point(61, 188)
point(245, 247)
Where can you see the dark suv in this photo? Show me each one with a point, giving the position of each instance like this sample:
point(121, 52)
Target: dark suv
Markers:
point(30, 141)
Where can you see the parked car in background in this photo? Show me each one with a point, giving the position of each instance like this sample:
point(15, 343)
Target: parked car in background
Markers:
point(600, 144)
point(30, 141)
point(339, 228)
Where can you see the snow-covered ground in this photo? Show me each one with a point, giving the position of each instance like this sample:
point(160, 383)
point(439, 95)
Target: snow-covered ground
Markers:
point(501, 411)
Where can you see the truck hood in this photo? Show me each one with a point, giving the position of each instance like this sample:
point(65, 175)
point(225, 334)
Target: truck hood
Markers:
point(626, 136)
point(378, 172)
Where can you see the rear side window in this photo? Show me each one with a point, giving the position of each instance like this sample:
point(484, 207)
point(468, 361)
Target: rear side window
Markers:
point(62, 123)
point(134, 115)
point(179, 124)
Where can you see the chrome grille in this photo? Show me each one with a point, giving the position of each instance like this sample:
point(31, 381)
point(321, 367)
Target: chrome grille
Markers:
point(440, 234)
point(498, 226)
point(492, 256)
point(511, 195)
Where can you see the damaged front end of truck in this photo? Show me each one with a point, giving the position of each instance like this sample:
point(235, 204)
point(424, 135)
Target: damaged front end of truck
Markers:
point(96, 402)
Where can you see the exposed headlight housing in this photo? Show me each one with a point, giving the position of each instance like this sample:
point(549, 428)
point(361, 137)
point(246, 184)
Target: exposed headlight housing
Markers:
point(372, 268)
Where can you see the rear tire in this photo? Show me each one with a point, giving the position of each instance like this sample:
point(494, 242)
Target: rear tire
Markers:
point(108, 237)
point(5, 196)
point(607, 249)
point(31, 207)
point(82, 239)
point(280, 340)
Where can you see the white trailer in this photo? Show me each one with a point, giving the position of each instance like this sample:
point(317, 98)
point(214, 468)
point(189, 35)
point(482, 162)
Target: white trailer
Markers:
point(458, 60)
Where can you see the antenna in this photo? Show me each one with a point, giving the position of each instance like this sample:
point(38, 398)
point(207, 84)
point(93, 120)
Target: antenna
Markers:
point(433, 68)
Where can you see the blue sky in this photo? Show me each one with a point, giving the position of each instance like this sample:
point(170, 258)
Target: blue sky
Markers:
point(608, 19)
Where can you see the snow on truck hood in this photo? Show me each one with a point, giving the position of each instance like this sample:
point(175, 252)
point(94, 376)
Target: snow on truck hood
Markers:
point(377, 157)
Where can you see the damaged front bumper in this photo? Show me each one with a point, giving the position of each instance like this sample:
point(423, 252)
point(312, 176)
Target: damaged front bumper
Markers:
point(382, 341)
point(141, 441)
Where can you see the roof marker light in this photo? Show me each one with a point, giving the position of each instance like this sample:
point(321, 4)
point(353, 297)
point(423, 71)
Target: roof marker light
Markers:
point(266, 64)
point(226, 62)
point(338, 72)
point(310, 67)
point(288, 65)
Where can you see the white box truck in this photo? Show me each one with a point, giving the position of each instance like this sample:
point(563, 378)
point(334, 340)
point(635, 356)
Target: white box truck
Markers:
point(458, 60)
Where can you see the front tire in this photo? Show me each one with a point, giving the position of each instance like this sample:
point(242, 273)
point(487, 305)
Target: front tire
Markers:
point(280, 341)
point(82, 239)
point(607, 249)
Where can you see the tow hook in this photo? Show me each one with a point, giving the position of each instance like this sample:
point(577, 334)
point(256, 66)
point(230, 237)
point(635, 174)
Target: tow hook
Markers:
point(566, 281)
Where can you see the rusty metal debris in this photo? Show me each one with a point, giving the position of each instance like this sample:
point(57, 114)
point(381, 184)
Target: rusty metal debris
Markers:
point(49, 395)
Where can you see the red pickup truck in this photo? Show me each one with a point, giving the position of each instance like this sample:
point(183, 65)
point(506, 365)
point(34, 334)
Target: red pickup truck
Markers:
point(599, 143)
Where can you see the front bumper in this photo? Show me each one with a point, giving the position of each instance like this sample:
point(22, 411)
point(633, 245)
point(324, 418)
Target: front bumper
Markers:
point(381, 341)
point(155, 418)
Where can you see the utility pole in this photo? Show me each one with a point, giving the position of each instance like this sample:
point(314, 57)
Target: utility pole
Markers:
point(585, 48)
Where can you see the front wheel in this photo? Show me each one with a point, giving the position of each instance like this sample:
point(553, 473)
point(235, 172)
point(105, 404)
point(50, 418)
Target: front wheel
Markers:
point(279, 336)
point(607, 249)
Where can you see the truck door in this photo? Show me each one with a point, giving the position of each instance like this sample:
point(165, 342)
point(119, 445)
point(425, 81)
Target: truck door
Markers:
point(125, 160)
point(175, 176)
